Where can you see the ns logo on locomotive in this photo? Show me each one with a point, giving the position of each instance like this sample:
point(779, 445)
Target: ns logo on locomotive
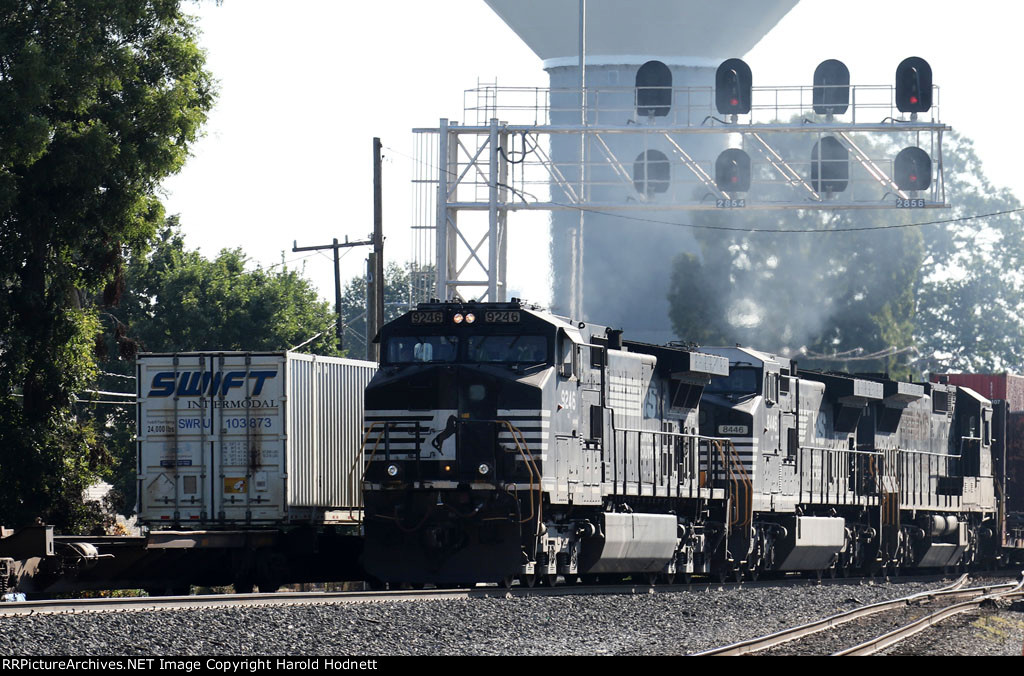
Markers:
point(502, 441)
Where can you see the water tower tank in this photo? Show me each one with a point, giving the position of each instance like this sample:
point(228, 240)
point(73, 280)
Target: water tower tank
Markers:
point(627, 264)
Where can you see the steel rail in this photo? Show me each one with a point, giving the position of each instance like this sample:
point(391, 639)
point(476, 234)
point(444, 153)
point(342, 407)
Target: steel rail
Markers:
point(122, 604)
point(300, 598)
point(144, 603)
point(793, 633)
point(882, 642)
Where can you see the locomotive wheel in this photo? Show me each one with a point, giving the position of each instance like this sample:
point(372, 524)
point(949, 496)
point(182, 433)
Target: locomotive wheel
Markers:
point(528, 580)
point(507, 581)
point(244, 587)
point(668, 578)
point(551, 579)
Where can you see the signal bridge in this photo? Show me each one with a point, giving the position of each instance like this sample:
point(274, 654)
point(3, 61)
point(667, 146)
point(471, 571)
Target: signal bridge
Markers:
point(648, 150)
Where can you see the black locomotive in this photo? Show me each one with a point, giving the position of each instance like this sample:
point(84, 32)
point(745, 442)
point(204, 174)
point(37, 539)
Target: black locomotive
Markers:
point(505, 442)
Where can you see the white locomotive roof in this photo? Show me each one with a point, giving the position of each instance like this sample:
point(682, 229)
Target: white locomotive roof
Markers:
point(680, 32)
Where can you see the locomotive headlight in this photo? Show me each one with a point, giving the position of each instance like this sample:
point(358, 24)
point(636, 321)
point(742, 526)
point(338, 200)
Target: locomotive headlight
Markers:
point(483, 468)
point(457, 319)
point(392, 470)
point(470, 317)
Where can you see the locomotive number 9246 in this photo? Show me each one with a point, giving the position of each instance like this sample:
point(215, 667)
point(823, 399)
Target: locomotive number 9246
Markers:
point(501, 317)
point(427, 317)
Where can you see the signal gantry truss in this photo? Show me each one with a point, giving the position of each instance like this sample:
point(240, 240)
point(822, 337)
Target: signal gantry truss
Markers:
point(529, 149)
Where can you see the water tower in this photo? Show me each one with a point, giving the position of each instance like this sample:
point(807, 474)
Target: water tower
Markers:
point(632, 50)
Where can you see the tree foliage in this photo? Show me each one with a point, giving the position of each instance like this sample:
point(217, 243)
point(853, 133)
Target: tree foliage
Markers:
point(178, 300)
point(99, 101)
point(970, 308)
point(897, 299)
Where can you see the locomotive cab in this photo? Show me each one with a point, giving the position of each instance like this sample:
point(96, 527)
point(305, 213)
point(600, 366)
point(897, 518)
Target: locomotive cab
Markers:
point(459, 424)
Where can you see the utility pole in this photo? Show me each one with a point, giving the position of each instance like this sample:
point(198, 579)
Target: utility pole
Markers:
point(374, 268)
point(375, 298)
point(336, 246)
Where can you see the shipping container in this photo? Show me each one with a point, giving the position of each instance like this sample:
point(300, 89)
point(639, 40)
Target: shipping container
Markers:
point(227, 439)
point(1006, 387)
point(1013, 481)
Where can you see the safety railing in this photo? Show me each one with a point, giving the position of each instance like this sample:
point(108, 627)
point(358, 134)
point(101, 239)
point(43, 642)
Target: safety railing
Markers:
point(672, 106)
point(929, 479)
point(674, 464)
point(837, 475)
point(741, 489)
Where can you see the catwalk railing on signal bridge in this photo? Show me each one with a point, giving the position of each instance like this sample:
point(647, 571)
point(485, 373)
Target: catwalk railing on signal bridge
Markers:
point(689, 107)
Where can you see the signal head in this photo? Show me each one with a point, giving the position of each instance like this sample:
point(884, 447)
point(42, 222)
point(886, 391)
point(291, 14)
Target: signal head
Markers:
point(831, 88)
point(733, 85)
point(913, 85)
point(912, 169)
point(732, 171)
point(830, 165)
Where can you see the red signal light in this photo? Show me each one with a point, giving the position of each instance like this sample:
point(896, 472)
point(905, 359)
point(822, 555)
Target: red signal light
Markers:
point(734, 101)
point(913, 99)
point(735, 179)
point(913, 178)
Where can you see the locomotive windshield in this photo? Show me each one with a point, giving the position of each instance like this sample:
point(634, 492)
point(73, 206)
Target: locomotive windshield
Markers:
point(507, 349)
point(741, 380)
point(476, 349)
point(420, 349)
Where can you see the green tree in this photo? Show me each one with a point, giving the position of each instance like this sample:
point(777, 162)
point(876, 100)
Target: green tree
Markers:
point(99, 102)
point(176, 300)
point(972, 300)
point(937, 297)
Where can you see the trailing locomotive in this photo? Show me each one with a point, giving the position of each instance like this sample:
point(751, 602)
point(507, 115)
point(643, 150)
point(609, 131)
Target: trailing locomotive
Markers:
point(869, 471)
point(503, 442)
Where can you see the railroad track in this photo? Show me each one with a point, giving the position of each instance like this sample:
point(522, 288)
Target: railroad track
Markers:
point(976, 597)
point(149, 603)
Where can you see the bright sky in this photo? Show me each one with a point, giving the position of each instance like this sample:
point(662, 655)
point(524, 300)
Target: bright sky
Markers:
point(305, 85)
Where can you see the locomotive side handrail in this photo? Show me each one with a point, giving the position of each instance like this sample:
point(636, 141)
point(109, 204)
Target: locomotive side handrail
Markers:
point(833, 458)
point(739, 480)
point(531, 466)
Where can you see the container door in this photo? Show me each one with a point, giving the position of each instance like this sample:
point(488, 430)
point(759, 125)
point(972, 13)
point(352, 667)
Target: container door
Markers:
point(211, 439)
point(247, 449)
point(174, 435)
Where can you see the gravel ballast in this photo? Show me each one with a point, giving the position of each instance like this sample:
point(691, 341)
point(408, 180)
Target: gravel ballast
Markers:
point(672, 623)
